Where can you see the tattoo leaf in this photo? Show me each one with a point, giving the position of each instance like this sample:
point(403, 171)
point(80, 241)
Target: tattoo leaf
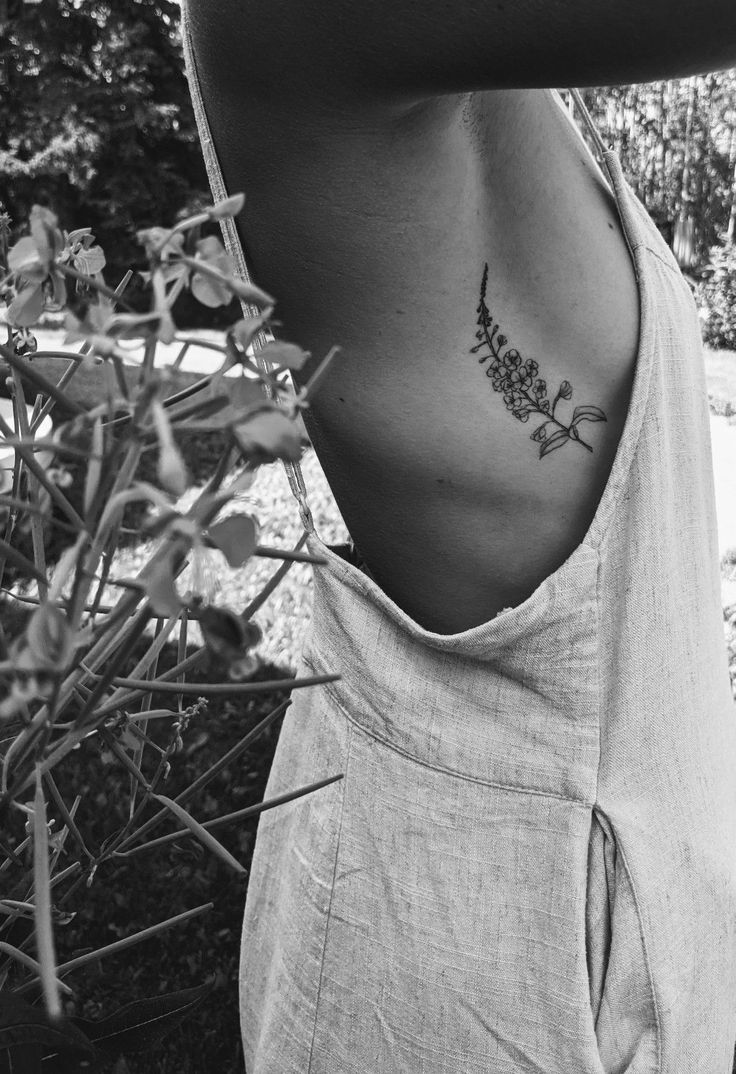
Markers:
point(588, 413)
point(554, 442)
point(541, 432)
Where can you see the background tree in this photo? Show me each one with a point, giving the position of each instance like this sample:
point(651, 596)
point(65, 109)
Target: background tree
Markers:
point(677, 143)
point(96, 122)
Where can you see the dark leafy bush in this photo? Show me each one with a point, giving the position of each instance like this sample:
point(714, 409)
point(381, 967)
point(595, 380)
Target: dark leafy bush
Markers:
point(716, 297)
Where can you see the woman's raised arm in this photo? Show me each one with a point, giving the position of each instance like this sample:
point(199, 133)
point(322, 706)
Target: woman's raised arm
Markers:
point(417, 48)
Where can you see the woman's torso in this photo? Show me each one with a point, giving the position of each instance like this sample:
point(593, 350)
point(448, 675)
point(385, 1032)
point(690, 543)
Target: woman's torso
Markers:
point(372, 226)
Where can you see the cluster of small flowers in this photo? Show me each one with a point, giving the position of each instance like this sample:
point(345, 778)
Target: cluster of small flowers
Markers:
point(514, 378)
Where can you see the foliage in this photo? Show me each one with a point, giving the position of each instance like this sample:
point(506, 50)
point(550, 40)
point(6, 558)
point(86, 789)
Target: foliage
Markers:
point(65, 669)
point(716, 297)
point(677, 144)
point(103, 128)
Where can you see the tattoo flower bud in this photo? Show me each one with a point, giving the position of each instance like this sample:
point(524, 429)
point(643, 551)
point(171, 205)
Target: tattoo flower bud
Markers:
point(565, 389)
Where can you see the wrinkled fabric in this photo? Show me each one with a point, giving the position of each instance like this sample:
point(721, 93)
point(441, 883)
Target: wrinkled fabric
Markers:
point(529, 865)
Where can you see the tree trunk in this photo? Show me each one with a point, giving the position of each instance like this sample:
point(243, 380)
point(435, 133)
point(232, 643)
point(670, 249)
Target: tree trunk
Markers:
point(731, 231)
point(684, 242)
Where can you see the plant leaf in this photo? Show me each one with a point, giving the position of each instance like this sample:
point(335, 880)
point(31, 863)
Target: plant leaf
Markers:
point(26, 1034)
point(171, 469)
point(201, 833)
point(161, 591)
point(286, 354)
point(245, 330)
point(237, 537)
point(588, 413)
point(25, 259)
point(90, 261)
point(140, 1025)
point(268, 434)
point(222, 631)
point(27, 306)
point(228, 207)
point(208, 291)
point(554, 442)
point(50, 637)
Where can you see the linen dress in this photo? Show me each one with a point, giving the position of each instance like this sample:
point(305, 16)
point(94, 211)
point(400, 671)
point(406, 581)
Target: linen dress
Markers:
point(529, 865)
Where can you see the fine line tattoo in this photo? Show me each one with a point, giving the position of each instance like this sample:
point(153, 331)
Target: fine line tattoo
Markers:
point(514, 378)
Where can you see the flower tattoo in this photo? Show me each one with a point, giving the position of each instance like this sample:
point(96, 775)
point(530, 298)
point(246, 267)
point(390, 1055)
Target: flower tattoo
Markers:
point(525, 393)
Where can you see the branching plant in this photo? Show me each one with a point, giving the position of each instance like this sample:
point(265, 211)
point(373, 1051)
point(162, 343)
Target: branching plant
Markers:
point(70, 673)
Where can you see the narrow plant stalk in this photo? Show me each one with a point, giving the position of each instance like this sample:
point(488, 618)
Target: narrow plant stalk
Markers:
point(123, 757)
point(67, 816)
point(176, 364)
point(19, 560)
point(152, 654)
point(24, 369)
point(122, 480)
point(77, 359)
point(30, 964)
point(138, 757)
point(216, 689)
point(39, 551)
point(94, 469)
point(181, 652)
point(201, 833)
point(239, 814)
point(125, 943)
point(316, 378)
point(90, 281)
point(42, 915)
point(108, 554)
point(201, 781)
point(102, 682)
point(26, 454)
point(9, 854)
point(152, 714)
point(272, 583)
point(144, 740)
point(286, 554)
point(33, 509)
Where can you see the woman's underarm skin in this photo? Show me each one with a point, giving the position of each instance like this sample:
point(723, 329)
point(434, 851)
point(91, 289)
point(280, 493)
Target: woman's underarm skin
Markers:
point(409, 49)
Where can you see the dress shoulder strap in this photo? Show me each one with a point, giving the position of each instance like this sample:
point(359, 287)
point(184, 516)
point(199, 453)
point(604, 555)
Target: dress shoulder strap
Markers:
point(585, 115)
point(234, 248)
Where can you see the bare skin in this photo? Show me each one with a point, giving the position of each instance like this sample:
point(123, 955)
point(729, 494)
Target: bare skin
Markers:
point(372, 221)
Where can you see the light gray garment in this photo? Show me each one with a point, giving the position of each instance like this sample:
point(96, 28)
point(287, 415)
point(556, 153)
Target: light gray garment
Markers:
point(529, 866)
